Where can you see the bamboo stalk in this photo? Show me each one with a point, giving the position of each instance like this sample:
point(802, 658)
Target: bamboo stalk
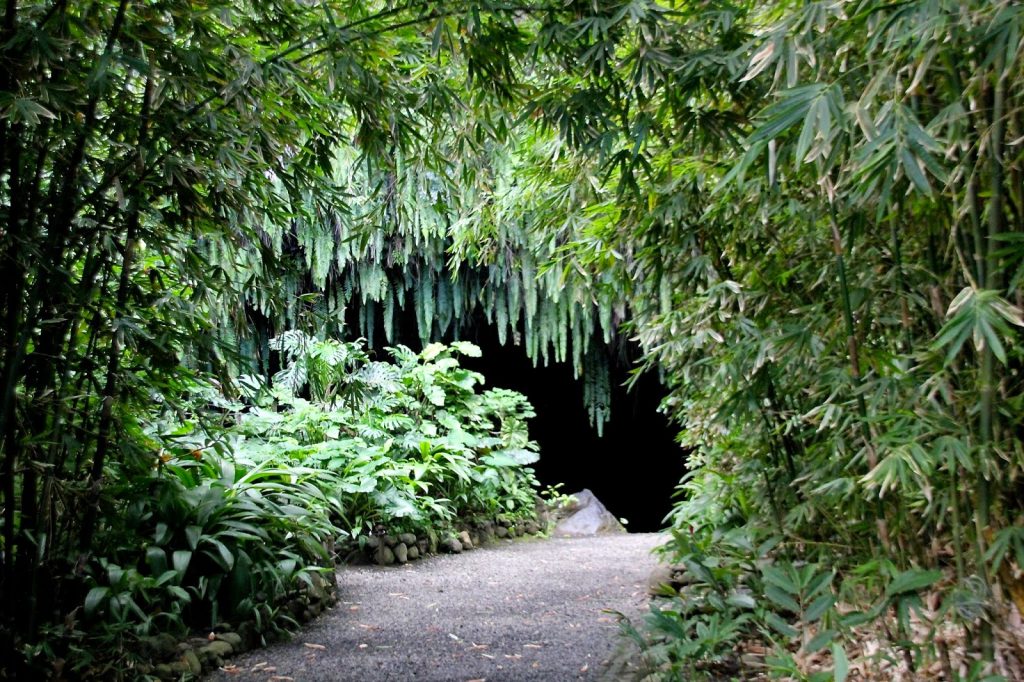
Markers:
point(109, 394)
point(44, 303)
point(113, 362)
point(853, 350)
point(901, 281)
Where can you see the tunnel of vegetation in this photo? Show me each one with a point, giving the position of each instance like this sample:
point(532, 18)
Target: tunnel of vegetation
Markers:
point(807, 215)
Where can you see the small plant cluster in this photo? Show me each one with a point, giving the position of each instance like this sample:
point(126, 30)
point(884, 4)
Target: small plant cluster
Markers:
point(555, 499)
point(248, 502)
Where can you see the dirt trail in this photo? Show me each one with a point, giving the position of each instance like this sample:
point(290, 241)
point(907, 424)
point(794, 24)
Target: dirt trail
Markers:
point(523, 610)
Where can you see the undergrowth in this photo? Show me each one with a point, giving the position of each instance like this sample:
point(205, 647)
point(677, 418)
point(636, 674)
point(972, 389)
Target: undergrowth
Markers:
point(235, 503)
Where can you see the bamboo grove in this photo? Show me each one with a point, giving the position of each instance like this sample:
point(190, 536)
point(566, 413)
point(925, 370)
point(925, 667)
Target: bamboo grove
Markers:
point(808, 214)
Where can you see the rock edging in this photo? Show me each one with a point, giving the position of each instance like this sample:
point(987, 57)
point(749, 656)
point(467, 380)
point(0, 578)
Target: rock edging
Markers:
point(387, 549)
point(172, 659)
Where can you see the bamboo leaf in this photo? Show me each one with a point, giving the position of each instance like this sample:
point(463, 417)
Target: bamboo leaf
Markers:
point(820, 641)
point(818, 608)
point(913, 170)
point(841, 663)
point(781, 626)
point(761, 60)
point(782, 599)
point(913, 580)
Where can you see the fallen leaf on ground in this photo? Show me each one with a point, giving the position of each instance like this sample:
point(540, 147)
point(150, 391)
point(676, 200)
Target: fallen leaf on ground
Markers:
point(259, 666)
point(318, 647)
point(585, 668)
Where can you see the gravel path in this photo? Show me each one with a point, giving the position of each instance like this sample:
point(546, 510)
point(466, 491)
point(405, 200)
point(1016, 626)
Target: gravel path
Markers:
point(523, 610)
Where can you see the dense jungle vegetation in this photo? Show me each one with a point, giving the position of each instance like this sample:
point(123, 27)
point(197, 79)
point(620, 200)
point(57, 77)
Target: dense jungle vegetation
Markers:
point(809, 214)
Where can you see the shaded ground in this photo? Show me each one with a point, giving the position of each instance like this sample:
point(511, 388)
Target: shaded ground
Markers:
point(524, 610)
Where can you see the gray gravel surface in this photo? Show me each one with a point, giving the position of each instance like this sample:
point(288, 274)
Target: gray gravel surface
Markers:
point(516, 610)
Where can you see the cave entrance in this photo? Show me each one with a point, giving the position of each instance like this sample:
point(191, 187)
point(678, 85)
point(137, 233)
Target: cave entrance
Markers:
point(633, 468)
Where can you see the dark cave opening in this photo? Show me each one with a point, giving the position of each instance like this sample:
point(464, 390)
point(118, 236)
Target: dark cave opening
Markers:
point(633, 467)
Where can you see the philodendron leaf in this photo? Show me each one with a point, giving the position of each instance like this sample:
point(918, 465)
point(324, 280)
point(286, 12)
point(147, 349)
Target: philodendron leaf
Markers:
point(435, 394)
point(432, 351)
point(499, 459)
point(521, 456)
point(466, 348)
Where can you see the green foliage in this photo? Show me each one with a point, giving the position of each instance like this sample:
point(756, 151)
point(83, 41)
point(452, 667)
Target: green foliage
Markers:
point(808, 214)
point(236, 528)
point(239, 503)
point(814, 209)
point(414, 446)
point(197, 540)
point(695, 632)
point(416, 441)
point(161, 166)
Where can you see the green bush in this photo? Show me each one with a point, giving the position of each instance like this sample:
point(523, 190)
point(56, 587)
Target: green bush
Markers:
point(412, 444)
point(229, 506)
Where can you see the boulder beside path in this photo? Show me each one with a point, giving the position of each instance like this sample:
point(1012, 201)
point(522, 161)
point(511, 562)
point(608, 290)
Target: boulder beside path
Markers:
point(586, 517)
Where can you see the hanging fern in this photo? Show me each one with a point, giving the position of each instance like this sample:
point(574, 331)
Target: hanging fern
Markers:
point(443, 304)
point(501, 322)
point(389, 317)
point(408, 233)
point(597, 389)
